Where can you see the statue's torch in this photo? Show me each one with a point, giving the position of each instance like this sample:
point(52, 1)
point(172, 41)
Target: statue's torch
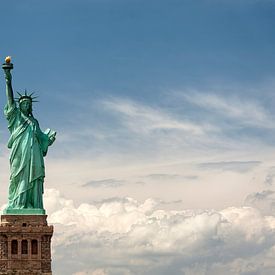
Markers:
point(7, 65)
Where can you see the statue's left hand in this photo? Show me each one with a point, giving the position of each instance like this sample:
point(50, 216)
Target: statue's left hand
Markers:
point(52, 139)
point(51, 135)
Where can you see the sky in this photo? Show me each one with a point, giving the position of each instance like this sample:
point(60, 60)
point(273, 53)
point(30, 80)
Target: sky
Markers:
point(164, 161)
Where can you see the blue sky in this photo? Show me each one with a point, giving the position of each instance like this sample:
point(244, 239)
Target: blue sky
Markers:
point(165, 119)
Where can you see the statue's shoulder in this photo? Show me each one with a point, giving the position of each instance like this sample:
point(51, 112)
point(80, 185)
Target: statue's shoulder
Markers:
point(10, 109)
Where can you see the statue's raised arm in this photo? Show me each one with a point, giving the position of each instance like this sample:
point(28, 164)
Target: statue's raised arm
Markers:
point(7, 70)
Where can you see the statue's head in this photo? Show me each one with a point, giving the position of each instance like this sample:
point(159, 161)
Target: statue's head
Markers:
point(25, 106)
point(25, 103)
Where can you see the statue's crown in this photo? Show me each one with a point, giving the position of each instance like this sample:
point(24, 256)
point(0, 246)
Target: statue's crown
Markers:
point(26, 96)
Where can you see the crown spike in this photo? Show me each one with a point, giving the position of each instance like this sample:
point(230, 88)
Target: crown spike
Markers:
point(25, 95)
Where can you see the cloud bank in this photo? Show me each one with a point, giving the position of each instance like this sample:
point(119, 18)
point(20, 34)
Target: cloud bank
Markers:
point(126, 236)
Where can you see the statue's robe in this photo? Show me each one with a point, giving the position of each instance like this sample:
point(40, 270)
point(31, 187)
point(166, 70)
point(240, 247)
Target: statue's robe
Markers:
point(28, 146)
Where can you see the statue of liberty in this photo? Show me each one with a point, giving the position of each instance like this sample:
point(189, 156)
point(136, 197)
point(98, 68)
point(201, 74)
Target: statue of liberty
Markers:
point(28, 146)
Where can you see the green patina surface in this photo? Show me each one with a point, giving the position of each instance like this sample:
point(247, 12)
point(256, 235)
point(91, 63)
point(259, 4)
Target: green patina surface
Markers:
point(24, 211)
point(29, 146)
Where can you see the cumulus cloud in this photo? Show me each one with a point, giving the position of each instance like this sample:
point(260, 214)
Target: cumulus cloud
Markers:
point(264, 201)
point(269, 179)
point(92, 272)
point(125, 236)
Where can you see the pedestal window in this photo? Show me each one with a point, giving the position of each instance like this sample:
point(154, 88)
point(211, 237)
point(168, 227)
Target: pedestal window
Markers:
point(14, 247)
point(34, 247)
point(24, 246)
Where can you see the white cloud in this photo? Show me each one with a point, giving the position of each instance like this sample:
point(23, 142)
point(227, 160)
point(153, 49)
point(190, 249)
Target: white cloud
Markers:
point(104, 183)
point(92, 272)
point(270, 176)
point(237, 166)
point(142, 118)
point(264, 201)
point(243, 110)
point(131, 237)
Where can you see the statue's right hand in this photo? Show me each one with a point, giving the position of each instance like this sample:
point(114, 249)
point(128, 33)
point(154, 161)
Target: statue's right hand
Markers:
point(8, 76)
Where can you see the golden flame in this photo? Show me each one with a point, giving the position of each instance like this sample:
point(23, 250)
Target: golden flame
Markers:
point(8, 59)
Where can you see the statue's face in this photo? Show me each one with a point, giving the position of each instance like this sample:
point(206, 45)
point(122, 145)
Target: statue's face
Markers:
point(26, 107)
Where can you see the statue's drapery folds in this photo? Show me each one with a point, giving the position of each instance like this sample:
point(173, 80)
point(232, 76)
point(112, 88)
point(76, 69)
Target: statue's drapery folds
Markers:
point(28, 145)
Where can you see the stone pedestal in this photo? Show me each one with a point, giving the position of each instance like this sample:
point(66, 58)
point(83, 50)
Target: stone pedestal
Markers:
point(25, 245)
